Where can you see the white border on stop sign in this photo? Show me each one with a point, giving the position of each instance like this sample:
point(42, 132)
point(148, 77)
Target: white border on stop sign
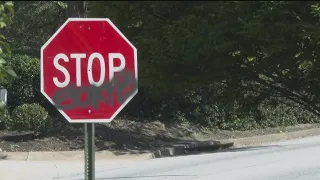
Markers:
point(135, 64)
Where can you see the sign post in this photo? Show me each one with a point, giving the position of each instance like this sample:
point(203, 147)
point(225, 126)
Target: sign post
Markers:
point(89, 151)
point(89, 72)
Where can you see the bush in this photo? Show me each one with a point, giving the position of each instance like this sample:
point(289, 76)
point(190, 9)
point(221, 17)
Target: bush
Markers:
point(4, 117)
point(30, 117)
point(205, 108)
point(26, 87)
point(287, 114)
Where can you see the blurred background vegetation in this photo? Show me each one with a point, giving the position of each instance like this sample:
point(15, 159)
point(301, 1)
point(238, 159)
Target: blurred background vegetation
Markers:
point(233, 65)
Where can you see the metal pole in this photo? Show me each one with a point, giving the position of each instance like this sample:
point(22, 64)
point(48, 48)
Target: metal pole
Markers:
point(89, 151)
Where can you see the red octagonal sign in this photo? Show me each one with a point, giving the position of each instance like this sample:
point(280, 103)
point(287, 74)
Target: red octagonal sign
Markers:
point(89, 70)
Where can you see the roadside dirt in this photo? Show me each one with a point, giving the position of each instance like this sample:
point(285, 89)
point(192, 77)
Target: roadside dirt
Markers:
point(124, 136)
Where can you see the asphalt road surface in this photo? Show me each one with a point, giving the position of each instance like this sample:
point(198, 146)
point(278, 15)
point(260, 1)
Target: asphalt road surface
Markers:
point(289, 160)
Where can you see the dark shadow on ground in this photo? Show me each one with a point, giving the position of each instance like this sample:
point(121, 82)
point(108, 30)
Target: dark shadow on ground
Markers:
point(120, 141)
point(117, 140)
point(72, 137)
point(19, 138)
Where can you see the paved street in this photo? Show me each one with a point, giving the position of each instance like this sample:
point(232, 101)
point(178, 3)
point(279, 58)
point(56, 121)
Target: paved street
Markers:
point(290, 160)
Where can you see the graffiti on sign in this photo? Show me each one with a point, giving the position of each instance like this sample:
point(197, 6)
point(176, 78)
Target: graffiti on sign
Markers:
point(122, 85)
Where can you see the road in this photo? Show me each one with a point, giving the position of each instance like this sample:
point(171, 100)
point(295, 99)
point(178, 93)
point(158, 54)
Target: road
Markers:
point(289, 160)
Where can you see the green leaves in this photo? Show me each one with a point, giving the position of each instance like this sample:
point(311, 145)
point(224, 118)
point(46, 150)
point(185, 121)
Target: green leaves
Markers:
point(24, 88)
point(315, 9)
point(30, 117)
point(61, 4)
point(187, 45)
point(249, 50)
point(6, 12)
point(33, 24)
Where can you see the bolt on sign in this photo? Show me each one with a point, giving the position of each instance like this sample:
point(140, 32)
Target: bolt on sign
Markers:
point(89, 70)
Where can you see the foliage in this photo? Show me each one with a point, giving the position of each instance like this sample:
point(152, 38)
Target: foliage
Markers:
point(33, 24)
point(230, 65)
point(254, 50)
point(5, 118)
point(203, 109)
point(6, 73)
point(26, 87)
point(30, 117)
point(6, 13)
point(286, 113)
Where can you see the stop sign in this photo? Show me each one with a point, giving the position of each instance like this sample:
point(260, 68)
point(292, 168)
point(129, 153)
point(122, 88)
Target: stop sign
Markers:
point(89, 70)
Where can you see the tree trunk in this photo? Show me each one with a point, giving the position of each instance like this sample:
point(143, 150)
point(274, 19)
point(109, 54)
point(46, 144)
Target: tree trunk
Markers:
point(76, 9)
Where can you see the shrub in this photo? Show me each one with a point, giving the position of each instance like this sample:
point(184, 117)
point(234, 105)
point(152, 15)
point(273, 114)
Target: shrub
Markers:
point(287, 114)
point(31, 117)
point(26, 87)
point(4, 117)
point(207, 108)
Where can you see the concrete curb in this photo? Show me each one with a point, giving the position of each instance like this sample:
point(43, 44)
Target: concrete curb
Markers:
point(264, 139)
point(69, 156)
point(181, 148)
point(187, 148)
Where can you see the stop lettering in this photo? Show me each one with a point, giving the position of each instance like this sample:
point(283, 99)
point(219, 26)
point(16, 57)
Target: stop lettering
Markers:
point(80, 58)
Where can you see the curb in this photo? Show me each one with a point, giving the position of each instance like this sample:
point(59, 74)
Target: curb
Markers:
point(70, 156)
point(185, 148)
point(270, 138)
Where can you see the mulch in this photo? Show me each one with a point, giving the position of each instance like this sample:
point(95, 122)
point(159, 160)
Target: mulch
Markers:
point(123, 136)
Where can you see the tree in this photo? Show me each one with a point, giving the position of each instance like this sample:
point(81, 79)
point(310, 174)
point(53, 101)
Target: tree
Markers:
point(266, 48)
point(6, 12)
point(232, 57)
point(200, 58)
point(33, 24)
